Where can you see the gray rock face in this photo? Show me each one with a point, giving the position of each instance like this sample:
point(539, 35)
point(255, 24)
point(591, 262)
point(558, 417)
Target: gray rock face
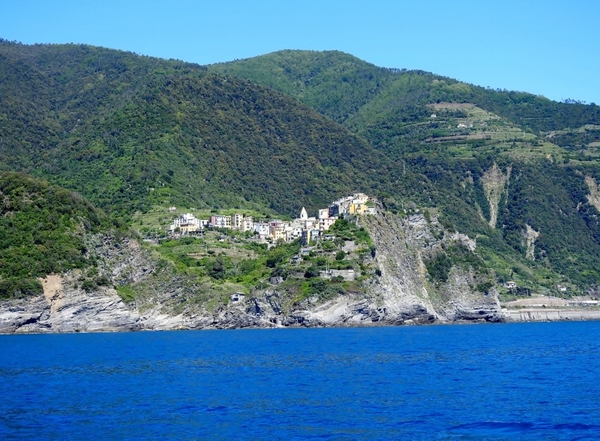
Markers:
point(477, 313)
point(20, 315)
point(403, 281)
point(402, 294)
point(405, 289)
point(63, 309)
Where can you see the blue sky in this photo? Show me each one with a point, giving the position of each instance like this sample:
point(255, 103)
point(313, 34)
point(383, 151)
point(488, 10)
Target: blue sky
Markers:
point(551, 48)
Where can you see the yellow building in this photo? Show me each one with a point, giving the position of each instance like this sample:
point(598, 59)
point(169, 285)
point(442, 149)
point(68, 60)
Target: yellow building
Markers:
point(358, 208)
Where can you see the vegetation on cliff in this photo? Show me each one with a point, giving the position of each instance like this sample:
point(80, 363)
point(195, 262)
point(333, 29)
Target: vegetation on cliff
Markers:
point(42, 231)
point(130, 133)
point(221, 262)
point(442, 137)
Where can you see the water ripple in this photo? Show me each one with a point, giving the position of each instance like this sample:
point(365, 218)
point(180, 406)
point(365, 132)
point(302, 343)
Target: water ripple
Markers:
point(531, 381)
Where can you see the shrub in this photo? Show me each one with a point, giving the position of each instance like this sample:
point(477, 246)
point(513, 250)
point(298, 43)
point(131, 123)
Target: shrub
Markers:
point(14, 288)
point(439, 267)
point(311, 272)
point(89, 285)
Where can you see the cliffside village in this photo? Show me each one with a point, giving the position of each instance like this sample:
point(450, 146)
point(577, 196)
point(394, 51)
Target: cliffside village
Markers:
point(307, 228)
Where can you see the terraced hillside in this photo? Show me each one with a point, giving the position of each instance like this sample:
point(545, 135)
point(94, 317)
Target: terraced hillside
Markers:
point(515, 170)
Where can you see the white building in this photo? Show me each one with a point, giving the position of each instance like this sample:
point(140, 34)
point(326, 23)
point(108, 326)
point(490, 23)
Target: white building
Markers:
point(303, 214)
point(262, 229)
point(236, 221)
point(360, 198)
point(220, 221)
point(325, 224)
point(324, 213)
point(248, 224)
point(293, 232)
point(187, 223)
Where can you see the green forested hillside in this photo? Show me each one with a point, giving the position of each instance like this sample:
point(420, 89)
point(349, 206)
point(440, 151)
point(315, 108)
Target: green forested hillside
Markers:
point(450, 134)
point(129, 131)
point(514, 171)
point(344, 87)
point(42, 231)
point(334, 83)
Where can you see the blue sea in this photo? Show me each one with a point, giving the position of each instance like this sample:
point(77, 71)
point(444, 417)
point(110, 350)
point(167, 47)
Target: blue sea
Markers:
point(461, 382)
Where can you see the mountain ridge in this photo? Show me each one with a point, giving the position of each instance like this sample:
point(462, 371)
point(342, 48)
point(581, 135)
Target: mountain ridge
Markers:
point(336, 63)
point(454, 133)
point(508, 169)
point(184, 117)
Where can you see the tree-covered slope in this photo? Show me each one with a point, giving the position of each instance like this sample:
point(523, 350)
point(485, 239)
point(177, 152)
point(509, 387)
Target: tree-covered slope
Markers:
point(342, 86)
point(515, 171)
point(499, 164)
point(43, 230)
point(334, 83)
point(129, 131)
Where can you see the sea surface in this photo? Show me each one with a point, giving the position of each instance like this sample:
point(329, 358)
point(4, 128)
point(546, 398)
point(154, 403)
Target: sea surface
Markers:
point(460, 382)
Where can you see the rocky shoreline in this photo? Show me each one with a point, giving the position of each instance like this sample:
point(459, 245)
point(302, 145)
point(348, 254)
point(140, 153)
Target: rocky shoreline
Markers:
point(63, 310)
point(403, 293)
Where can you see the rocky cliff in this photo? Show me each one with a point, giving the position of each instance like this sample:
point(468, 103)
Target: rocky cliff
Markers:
point(407, 288)
point(407, 249)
